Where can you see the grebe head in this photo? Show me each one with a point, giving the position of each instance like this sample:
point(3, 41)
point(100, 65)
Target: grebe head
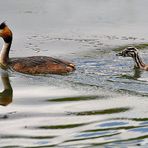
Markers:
point(5, 32)
point(128, 52)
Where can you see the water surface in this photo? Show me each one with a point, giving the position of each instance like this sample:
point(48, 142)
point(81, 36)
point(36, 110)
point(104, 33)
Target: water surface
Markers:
point(103, 103)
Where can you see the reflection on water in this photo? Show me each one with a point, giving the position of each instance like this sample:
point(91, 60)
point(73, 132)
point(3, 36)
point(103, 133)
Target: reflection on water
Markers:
point(135, 76)
point(7, 93)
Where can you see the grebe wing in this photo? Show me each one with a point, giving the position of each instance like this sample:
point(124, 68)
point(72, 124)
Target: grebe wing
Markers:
point(41, 64)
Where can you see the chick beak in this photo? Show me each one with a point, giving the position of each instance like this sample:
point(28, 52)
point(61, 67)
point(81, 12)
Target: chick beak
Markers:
point(119, 54)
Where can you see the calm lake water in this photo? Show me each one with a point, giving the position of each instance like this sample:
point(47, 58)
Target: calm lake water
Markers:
point(104, 102)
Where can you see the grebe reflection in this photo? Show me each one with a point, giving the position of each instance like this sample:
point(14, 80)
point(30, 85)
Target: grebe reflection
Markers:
point(135, 76)
point(7, 94)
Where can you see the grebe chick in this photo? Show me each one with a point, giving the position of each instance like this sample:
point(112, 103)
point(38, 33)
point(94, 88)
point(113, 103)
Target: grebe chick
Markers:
point(133, 52)
point(33, 64)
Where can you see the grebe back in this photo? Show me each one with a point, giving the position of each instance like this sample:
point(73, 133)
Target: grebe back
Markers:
point(33, 64)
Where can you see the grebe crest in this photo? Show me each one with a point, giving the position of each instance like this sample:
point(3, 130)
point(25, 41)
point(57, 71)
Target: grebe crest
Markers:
point(5, 32)
point(33, 64)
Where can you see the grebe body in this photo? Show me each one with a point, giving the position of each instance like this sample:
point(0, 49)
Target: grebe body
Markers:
point(40, 65)
point(134, 53)
point(33, 64)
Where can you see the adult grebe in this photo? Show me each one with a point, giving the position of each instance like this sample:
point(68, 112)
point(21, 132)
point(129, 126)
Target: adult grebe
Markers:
point(30, 65)
point(133, 52)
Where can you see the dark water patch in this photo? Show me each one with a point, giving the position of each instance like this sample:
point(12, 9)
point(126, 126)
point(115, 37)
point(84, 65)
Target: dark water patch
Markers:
point(6, 116)
point(140, 119)
point(18, 146)
point(30, 115)
point(25, 137)
point(77, 98)
point(45, 146)
point(99, 112)
point(139, 46)
point(12, 146)
point(66, 126)
point(28, 12)
point(133, 119)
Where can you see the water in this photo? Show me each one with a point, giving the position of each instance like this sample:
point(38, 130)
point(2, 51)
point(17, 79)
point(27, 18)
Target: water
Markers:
point(103, 103)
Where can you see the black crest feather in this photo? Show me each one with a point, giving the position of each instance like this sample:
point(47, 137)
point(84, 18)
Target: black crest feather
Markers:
point(3, 25)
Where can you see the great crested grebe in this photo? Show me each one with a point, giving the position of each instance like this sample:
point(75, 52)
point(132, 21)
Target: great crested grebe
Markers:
point(33, 64)
point(133, 52)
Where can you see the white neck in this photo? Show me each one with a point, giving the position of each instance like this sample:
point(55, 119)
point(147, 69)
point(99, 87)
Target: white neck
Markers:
point(4, 54)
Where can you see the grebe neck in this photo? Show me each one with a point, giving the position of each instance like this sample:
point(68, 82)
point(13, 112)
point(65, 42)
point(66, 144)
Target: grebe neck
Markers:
point(4, 54)
point(138, 61)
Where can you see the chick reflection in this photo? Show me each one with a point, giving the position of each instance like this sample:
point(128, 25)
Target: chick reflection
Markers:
point(7, 93)
point(137, 73)
point(135, 76)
